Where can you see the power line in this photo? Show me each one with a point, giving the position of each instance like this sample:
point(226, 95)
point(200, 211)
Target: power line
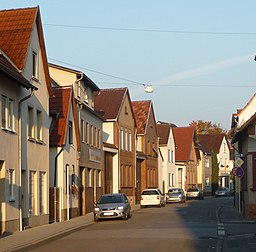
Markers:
point(151, 30)
point(132, 82)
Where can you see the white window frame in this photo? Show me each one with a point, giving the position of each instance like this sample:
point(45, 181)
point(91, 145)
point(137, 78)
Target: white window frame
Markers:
point(31, 126)
point(34, 65)
point(4, 111)
point(39, 117)
point(32, 192)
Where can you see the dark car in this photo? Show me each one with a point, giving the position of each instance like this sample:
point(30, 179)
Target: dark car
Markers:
point(222, 192)
point(110, 206)
point(175, 195)
point(195, 193)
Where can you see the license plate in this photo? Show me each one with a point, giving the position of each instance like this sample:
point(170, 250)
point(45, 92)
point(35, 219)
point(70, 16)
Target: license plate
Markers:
point(108, 214)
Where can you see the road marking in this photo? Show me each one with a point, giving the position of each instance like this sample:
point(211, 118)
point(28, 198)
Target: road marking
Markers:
point(221, 229)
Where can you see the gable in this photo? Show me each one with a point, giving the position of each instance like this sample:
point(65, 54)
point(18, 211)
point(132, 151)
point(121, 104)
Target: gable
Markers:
point(184, 142)
point(108, 102)
point(211, 143)
point(16, 29)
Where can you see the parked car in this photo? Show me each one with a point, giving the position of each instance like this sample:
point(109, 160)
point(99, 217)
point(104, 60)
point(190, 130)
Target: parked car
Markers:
point(195, 193)
point(152, 197)
point(115, 205)
point(222, 192)
point(175, 195)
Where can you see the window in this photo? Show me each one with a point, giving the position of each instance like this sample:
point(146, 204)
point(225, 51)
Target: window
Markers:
point(169, 155)
point(35, 65)
point(7, 113)
point(172, 156)
point(91, 135)
point(10, 115)
point(32, 192)
point(42, 193)
point(89, 177)
point(31, 122)
point(121, 139)
point(4, 100)
point(130, 141)
point(82, 131)
point(11, 184)
point(39, 125)
point(70, 132)
point(87, 133)
point(95, 137)
point(207, 163)
point(126, 140)
point(99, 139)
point(99, 179)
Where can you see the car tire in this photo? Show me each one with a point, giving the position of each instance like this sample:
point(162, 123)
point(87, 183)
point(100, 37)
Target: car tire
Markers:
point(125, 217)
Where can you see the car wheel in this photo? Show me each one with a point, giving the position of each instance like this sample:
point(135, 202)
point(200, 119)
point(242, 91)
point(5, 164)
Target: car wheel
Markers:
point(125, 217)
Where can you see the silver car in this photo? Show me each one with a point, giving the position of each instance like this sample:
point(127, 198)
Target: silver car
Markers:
point(175, 195)
point(195, 193)
point(222, 191)
point(110, 206)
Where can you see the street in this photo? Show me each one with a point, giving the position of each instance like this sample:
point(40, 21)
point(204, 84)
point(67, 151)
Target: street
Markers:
point(190, 227)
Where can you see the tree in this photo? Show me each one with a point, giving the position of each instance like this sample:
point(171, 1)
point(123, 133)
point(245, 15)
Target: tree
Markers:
point(203, 127)
point(215, 173)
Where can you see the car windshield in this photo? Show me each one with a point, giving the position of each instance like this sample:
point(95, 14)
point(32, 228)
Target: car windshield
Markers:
point(111, 199)
point(150, 192)
point(174, 191)
point(192, 190)
point(222, 189)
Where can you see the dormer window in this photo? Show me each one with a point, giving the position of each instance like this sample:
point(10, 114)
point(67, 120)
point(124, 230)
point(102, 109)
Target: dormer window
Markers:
point(34, 65)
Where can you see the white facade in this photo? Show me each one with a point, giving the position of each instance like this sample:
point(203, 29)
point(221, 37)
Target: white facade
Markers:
point(168, 172)
point(225, 164)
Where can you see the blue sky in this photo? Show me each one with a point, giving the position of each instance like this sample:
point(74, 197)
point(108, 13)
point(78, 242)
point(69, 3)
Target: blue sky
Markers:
point(198, 55)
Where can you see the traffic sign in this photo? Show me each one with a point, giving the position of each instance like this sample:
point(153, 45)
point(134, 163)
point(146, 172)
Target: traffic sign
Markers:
point(240, 172)
point(234, 171)
point(239, 162)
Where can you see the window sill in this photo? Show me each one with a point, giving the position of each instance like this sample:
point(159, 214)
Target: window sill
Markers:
point(35, 79)
point(9, 131)
point(31, 139)
point(253, 189)
point(39, 141)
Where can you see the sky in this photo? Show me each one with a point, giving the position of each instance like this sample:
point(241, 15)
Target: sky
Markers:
point(197, 55)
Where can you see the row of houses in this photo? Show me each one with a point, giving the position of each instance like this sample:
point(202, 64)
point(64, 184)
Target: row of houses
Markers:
point(244, 141)
point(65, 141)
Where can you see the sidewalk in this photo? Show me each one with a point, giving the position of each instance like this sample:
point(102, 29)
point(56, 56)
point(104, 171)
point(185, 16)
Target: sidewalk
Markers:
point(28, 237)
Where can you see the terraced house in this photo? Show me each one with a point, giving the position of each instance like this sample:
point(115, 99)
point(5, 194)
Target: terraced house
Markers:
point(147, 146)
point(119, 134)
point(90, 159)
point(22, 41)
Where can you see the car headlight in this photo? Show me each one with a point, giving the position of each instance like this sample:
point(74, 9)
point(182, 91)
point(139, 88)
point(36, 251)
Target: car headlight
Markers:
point(120, 208)
point(96, 209)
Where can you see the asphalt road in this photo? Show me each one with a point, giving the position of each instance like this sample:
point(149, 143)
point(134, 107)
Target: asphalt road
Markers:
point(189, 227)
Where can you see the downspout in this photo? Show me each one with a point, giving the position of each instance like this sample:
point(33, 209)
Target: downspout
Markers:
point(55, 184)
point(19, 154)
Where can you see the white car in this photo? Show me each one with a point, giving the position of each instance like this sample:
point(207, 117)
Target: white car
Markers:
point(152, 197)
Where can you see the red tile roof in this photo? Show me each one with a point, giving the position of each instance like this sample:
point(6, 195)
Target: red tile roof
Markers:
point(16, 27)
point(59, 105)
point(210, 142)
point(141, 111)
point(8, 68)
point(183, 137)
point(15, 31)
point(163, 133)
point(109, 101)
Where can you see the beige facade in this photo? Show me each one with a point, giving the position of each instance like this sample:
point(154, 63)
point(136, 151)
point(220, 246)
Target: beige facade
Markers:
point(35, 140)
point(9, 155)
point(91, 158)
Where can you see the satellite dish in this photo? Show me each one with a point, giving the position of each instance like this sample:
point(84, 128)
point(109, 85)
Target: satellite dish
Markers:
point(149, 88)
